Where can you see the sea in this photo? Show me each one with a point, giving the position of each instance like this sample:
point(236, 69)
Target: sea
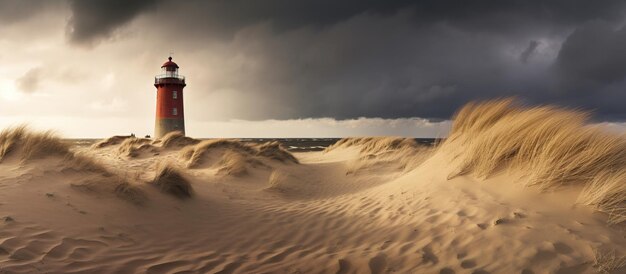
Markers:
point(291, 144)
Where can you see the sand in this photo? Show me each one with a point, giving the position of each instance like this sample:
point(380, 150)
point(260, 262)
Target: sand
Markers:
point(315, 218)
point(375, 205)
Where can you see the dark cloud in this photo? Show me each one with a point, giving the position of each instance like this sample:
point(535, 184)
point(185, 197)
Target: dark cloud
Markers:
point(370, 65)
point(481, 15)
point(345, 59)
point(594, 54)
point(98, 18)
point(591, 68)
point(92, 21)
point(529, 51)
point(29, 82)
point(13, 11)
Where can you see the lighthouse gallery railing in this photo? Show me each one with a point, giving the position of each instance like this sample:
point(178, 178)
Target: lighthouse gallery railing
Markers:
point(169, 78)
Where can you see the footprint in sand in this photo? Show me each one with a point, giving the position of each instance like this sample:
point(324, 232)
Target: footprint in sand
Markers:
point(501, 221)
point(344, 266)
point(429, 256)
point(468, 264)
point(446, 270)
point(542, 255)
point(562, 248)
point(378, 263)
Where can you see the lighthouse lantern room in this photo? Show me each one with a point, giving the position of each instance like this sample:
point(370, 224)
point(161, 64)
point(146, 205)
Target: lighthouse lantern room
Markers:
point(169, 105)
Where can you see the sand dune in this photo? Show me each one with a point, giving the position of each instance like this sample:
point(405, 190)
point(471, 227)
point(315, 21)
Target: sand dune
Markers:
point(553, 147)
point(31, 155)
point(380, 154)
point(513, 190)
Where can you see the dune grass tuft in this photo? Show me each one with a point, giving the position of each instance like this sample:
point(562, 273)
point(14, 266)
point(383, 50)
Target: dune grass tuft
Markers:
point(554, 147)
point(280, 181)
point(129, 192)
point(170, 180)
point(372, 145)
point(28, 145)
point(175, 139)
point(394, 153)
point(233, 163)
point(607, 193)
point(196, 155)
point(80, 162)
point(606, 261)
point(111, 141)
point(275, 151)
point(133, 147)
point(234, 154)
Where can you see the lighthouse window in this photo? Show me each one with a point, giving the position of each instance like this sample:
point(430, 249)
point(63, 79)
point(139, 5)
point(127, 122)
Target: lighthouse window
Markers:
point(174, 94)
point(174, 111)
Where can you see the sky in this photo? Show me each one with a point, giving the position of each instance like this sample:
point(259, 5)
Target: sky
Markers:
point(323, 68)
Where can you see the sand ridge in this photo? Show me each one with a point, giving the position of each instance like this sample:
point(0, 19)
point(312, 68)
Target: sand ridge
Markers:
point(377, 205)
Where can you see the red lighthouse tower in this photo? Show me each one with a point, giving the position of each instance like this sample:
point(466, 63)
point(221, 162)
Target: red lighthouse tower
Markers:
point(170, 115)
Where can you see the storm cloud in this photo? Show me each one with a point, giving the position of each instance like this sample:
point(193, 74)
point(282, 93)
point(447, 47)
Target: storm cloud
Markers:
point(98, 18)
point(282, 59)
point(30, 81)
point(93, 21)
point(12, 11)
point(594, 54)
point(529, 51)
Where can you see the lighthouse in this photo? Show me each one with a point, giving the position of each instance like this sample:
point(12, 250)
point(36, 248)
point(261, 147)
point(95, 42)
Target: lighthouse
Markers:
point(170, 115)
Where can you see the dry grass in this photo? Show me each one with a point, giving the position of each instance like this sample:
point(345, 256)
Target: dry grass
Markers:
point(372, 145)
point(111, 184)
point(280, 181)
point(607, 193)
point(275, 151)
point(234, 153)
point(129, 192)
point(133, 147)
point(111, 141)
point(175, 139)
point(27, 145)
point(608, 261)
point(84, 163)
point(392, 153)
point(233, 163)
point(171, 180)
point(198, 154)
point(554, 146)
point(100, 179)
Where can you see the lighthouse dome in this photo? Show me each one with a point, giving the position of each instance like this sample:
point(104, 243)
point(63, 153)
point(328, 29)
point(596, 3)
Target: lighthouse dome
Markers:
point(169, 64)
point(169, 74)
